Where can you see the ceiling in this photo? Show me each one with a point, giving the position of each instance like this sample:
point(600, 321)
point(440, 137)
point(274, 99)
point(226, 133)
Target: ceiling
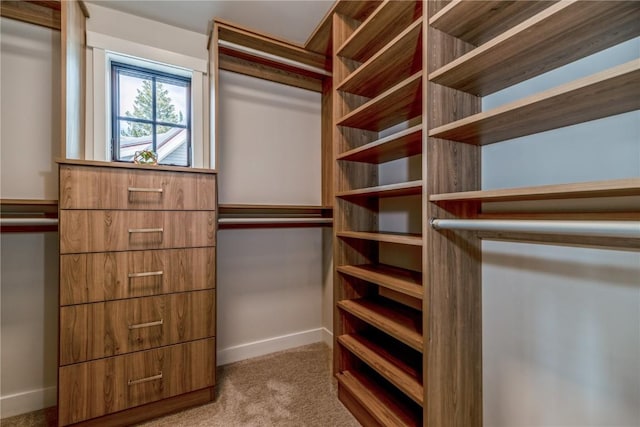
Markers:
point(293, 20)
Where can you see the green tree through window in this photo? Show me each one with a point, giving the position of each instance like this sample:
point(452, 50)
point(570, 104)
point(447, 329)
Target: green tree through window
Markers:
point(143, 107)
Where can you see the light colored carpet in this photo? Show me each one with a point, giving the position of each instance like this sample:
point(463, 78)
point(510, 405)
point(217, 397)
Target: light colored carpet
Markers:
point(289, 388)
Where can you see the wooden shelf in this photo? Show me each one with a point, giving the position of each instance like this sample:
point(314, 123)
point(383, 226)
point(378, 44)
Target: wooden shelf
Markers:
point(609, 188)
point(368, 39)
point(388, 365)
point(320, 41)
point(399, 238)
point(477, 22)
point(378, 402)
point(400, 103)
point(398, 60)
point(604, 94)
point(558, 35)
point(389, 190)
point(397, 279)
point(400, 322)
point(405, 143)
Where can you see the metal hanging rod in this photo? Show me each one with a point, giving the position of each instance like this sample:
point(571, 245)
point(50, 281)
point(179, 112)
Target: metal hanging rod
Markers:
point(264, 55)
point(28, 221)
point(626, 229)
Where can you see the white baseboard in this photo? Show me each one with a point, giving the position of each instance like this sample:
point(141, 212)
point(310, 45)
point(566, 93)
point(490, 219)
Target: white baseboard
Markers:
point(27, 401)
point(327, 337)
point(269, 345)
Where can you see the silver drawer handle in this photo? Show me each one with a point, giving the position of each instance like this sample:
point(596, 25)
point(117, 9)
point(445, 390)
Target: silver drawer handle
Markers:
point(144, 380)
point(147, 325)
point(145, 190)
point(146, 274)
point(146, 230)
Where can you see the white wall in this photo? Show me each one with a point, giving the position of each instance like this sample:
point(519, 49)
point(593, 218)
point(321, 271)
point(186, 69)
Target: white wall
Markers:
point(561, 325)
point(30, 140)
point(271, 282)
point(269, 145)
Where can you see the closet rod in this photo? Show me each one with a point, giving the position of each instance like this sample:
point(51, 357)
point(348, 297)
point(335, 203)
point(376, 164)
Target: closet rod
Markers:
point(264, 55)
point(28, 221)
point(276, 220)
point(628, 229)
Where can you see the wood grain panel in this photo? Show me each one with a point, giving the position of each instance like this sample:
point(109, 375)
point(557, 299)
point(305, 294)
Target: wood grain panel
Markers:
point(267, 43)
point(452, 304)
point(73, 79)
point(560, 34)
point(397, 61)
point(93, 331)
point(100, 387)
point(99, 231)
point(32, 13)
point(613, 91)
point(106, 276)
point(321, 39)
point(391, 15)
point(88, 187)
point(263, 70)
point(477, 22)
point(327, 158)
point(387, 364)
point(371, 403)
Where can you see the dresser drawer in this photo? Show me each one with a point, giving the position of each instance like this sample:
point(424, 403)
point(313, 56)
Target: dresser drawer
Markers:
point(85, 187)
point(101, 387)
point(93, 331)
point(105, 276)
point(102, 231)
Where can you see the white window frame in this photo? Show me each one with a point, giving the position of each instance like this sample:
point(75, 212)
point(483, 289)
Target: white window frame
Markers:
point(103, 49)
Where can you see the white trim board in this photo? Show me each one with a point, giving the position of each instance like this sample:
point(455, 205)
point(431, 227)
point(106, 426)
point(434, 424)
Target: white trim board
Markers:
point(27, 401)
point(138, 50)
point(269, 345)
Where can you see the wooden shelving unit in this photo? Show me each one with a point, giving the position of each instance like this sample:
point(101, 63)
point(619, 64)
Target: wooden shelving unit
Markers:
point(399, 238)
point(604, 94)
point(397, 279)
point(479, 22)
point(390, 366)
point(398, 58)
point(474, 49)
point(401, 144)
point(374, 403)
point(610, 188)
point(558, 35)
point(399, 322)
point(368, 39)
point(389, 190)
point(400, 103)
point(377, 81)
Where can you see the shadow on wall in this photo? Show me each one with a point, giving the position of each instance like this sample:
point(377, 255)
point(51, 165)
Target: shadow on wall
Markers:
point(604, 273)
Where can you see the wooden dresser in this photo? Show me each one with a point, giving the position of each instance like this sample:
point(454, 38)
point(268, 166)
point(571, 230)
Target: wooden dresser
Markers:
point(137, 291)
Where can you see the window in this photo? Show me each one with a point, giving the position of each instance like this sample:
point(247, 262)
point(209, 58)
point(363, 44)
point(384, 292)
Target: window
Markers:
point(151, 110)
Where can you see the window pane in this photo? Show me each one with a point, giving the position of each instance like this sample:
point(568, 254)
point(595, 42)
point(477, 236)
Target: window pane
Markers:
point(172, 145)
point(135, 97)
point(134, 137)
point(171, 102)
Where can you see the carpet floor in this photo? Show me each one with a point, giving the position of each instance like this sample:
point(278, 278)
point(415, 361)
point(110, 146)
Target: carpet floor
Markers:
point(290, 388)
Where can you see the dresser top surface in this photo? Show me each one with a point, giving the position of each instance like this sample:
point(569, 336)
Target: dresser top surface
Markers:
point(124, 165)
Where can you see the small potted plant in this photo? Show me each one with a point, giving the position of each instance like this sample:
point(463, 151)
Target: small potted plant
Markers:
point(145, 157)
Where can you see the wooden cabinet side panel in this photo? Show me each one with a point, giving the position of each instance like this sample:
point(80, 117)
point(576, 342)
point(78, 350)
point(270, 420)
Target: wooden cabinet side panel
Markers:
point(93, 331)
point(93, 389)
point(104, 276)
point(98, 231)
point(86, 187)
